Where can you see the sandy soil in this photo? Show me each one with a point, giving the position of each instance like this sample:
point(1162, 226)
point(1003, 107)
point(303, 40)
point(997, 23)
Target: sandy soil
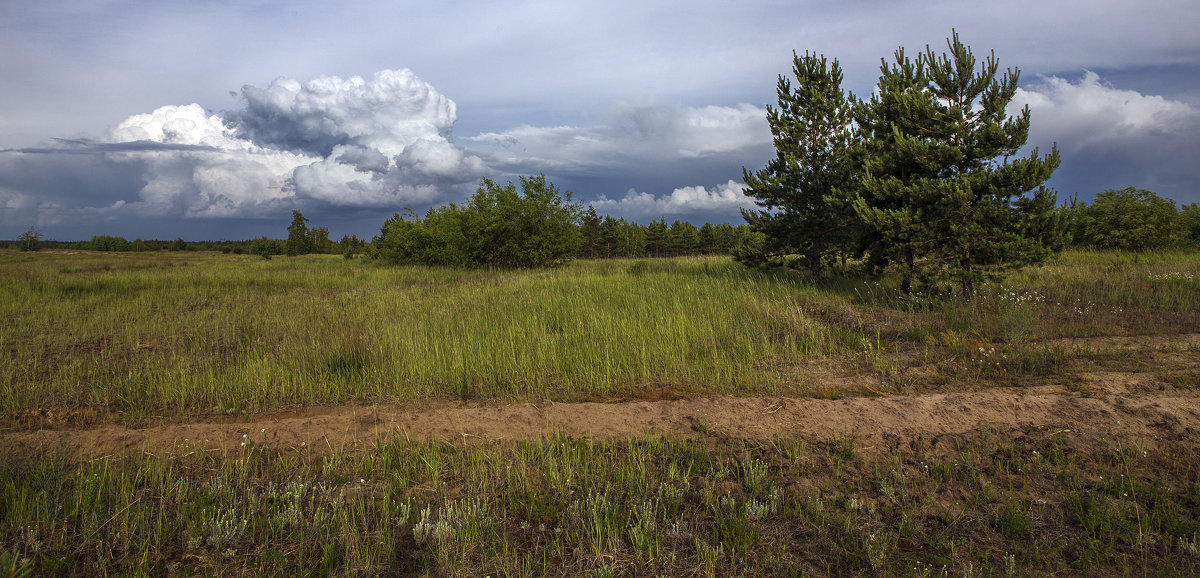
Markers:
point(880, 424)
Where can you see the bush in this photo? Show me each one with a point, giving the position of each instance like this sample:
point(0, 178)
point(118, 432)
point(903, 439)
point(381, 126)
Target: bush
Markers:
point(265, 247)
point(499, 227)
point(109, 243)
point(1189, 223)
point(1129, 219)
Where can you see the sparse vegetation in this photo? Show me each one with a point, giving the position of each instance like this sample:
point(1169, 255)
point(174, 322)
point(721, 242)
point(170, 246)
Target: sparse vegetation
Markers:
point(986, 503)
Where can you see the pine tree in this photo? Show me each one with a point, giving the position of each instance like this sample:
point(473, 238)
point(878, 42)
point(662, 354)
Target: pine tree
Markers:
point(656, 238)
point(589, 233)
point(298, 242)
point(803, 189)
point(939, 194)
point(682, 238)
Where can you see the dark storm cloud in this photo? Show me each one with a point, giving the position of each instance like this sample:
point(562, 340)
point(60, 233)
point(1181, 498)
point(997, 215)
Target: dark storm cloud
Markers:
point(92, 147)
point(387, 113)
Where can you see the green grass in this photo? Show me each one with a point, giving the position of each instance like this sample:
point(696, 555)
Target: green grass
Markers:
point(153, 334)
point(993, 504)
point(180, 334)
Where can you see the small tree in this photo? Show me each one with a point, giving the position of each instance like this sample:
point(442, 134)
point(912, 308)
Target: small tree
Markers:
point(657, 242)
point(803, 189)
point(351, 245)
point(1189, 223)
point(298, 241)
point(30, 240)
point(318, 240)
point(939, 193)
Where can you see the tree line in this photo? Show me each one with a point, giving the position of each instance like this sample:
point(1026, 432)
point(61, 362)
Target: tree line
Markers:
point(1128, 219)
point(534, 225)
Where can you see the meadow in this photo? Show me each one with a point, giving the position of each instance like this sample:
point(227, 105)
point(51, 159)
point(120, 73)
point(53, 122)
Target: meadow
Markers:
point(124, 340)
point(179, 334)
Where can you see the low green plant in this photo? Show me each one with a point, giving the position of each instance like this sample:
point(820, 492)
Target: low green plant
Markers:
point(569, 506)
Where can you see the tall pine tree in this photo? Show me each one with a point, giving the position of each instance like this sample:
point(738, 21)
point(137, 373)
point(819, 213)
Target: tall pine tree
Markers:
point(298, 242)
point(802, 189)
point(939, 193)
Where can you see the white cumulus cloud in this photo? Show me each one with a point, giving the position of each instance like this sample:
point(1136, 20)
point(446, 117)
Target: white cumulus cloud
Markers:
point(383, 142)
point(682, 201)
point(1111, 137)
point(387, 113)
point(222, 176)
point(1081, 113)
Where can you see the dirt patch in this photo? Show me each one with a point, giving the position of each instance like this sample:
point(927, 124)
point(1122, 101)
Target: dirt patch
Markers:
point(879, 424)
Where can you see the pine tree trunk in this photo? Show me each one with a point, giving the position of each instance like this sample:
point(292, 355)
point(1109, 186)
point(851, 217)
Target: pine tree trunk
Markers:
point(814, 259)
point(910, 264)
point(968, 283)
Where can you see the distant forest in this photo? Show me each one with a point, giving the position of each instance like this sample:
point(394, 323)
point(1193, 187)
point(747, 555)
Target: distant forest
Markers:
point(600, 237)
point(1128, 219)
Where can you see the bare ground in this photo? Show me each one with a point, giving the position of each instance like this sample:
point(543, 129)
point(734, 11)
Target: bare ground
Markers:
point(880, 424)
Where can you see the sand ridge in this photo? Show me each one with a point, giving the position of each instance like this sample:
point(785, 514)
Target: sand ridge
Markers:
point(873, 422)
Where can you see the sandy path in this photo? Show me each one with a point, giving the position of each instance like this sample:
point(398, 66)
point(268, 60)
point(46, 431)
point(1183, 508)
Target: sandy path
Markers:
point(874, 422)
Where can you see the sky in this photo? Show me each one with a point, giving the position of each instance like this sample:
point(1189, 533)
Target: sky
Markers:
point(215, 119)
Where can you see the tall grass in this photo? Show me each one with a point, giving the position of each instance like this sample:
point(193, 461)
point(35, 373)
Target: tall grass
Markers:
point(152, 334)
point(177, 334)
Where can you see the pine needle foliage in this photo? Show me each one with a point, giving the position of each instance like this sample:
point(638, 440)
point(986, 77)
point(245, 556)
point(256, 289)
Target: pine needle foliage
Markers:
point(801, 189)
point(941, 196)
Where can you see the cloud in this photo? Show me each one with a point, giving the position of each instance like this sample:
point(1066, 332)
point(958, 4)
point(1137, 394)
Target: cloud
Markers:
point(1088, 112)
point(726, 198)
point(196, 166)
point(388, 113)
point(353, 143)
point(629, 136)
point(1112, 138)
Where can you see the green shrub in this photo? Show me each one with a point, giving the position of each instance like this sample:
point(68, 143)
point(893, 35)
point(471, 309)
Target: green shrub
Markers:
point(499, 227)
point(1129, 219)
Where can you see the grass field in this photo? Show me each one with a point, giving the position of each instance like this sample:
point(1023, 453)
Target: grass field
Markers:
point(92, 339)
point(181, 334)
